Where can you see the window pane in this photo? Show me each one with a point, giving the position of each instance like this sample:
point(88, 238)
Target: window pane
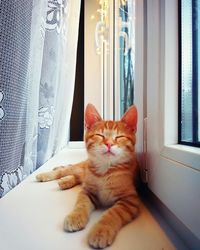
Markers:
point(186, 74)
point(124, 52)
point(190, 95)
point(198, 55)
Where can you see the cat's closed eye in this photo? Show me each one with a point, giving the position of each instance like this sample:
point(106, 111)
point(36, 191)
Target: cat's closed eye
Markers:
point(120, 137)
point(100, 135)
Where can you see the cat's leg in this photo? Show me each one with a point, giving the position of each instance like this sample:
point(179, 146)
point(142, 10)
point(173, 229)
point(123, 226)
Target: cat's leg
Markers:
point(105, 230)
point(79, 217)
point(59, 172)
point(56, 173)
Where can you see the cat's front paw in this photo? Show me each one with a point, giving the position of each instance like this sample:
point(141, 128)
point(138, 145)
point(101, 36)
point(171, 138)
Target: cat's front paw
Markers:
point(101, 236)
point(67, 182)
point(43, 177)
point(75, 221)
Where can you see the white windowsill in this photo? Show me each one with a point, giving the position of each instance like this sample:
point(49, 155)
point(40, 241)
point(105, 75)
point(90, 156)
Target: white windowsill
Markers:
point(186, 155)
point(32, 216)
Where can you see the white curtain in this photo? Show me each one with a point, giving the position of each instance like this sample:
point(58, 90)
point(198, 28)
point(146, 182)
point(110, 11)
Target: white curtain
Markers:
point(49, 77)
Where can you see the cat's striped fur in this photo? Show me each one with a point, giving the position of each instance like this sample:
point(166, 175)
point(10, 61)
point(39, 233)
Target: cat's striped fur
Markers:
point(107, 177)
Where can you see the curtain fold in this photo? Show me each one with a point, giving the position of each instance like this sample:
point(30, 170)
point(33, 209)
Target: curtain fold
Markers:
point(38, 43)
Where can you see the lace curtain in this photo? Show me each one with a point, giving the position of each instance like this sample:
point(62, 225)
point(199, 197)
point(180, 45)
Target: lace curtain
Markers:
point(38, 43)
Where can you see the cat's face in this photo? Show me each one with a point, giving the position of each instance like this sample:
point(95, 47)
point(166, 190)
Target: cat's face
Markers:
point(110, 143)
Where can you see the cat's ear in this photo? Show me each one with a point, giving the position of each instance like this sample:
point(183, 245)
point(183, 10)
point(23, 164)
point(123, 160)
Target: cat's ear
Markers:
point(130, 118)
point(91, 116)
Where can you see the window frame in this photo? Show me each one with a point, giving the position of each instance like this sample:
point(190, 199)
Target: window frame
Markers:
point(171, 166)
point(172, 147)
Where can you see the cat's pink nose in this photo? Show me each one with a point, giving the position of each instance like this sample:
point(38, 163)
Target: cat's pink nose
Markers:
point(108, 145)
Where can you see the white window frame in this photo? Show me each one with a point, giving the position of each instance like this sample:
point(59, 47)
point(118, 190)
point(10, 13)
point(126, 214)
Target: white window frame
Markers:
point(173, 169)
point(140, 81)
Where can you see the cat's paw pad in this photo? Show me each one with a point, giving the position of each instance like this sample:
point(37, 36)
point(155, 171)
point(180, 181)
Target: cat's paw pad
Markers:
point(75, 221)
point(101, 236)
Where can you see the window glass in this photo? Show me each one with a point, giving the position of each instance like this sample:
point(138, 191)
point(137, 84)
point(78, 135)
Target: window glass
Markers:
point(126, 48)
point(189, 78)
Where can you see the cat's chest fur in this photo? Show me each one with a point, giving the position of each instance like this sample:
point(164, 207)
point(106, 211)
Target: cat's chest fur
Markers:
point(107, 189)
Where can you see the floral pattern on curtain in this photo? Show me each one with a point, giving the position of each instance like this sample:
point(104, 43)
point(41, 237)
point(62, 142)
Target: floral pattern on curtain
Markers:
point(38, 43)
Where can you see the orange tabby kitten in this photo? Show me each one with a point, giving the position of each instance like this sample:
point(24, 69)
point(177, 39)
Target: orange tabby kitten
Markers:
point(107, 177)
